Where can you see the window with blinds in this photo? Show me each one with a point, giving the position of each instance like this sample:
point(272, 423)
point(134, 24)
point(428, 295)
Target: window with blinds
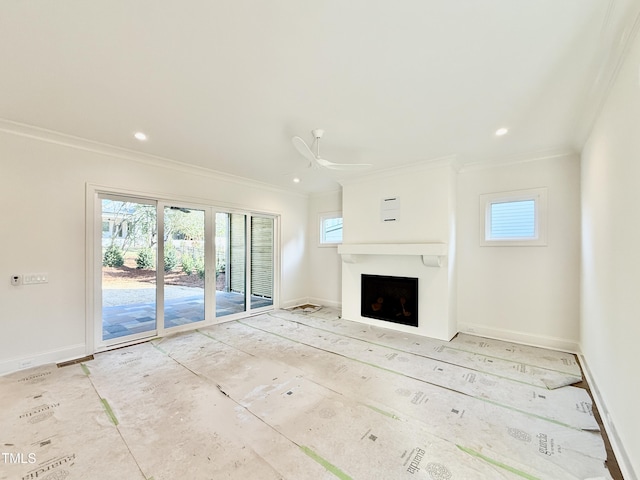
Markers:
point(514, 218)
point(331, 228)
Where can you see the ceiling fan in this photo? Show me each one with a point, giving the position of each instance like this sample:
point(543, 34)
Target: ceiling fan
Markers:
point(316, 159)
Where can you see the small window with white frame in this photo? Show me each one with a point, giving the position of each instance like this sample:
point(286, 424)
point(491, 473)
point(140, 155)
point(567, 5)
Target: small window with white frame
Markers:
point(516, 218)
point(330, 228)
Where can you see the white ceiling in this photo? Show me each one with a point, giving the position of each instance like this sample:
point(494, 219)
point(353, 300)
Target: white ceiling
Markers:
point(226, 84)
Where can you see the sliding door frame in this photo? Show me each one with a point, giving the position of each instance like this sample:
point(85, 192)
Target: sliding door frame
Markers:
point(98, 292)
point(249, 311)
point(93, 263)
point(258, 310)
point(208, 255)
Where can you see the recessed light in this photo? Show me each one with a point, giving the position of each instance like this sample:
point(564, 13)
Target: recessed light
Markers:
point(140, 136)
point(296, 180)
point(501, 131)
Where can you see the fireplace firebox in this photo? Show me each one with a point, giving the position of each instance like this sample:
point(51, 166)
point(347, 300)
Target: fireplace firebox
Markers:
point(393, 299)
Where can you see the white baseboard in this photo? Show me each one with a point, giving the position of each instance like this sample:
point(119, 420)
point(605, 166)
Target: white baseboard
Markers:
point(52, 356)
point(312, 300)
point(543, 341)
point(295, 302)
point(621, 455)
point(324, 302)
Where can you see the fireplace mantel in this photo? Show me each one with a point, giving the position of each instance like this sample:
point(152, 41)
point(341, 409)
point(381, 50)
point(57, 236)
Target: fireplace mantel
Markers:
point(430, 253)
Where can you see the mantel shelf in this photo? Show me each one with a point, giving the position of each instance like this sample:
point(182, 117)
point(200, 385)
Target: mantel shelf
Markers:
point(431, 253)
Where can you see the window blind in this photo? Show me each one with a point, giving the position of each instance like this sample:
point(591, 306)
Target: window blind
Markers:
point(513, 220)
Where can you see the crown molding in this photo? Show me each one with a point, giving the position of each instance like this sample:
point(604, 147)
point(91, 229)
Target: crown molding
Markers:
point(326, 193)
point(452, 161)
point(519, 159)
point(418, 167)
point(619, 29)
point(78, 143)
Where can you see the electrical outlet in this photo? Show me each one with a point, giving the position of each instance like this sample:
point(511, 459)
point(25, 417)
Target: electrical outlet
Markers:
point(33, 278)
point(16, 280)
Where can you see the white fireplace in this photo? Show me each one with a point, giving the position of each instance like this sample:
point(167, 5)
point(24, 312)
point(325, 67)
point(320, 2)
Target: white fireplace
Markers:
point(428, 263)
point(402, 224)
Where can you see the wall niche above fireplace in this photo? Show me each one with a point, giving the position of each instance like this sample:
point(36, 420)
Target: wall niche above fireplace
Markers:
point(393, 299)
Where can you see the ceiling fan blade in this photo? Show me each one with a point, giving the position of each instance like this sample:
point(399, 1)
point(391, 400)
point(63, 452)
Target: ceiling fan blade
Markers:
point(341, 166)
point(303, 148)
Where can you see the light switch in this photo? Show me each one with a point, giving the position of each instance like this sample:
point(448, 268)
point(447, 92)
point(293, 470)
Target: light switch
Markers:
point(33, 278)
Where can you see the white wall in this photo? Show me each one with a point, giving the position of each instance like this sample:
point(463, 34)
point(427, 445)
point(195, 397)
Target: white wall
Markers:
point(610, 323)
point(424, 194)
point(525, 294)
point(325, 265)
point(42, 191)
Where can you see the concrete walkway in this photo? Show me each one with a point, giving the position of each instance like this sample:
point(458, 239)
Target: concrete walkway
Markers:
point(127, 311)
point(113, 297)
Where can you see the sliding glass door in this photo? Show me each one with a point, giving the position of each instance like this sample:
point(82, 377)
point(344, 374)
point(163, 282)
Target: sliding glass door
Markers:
point(128, 250)
point(231, 253)
point(184, 265)
point(166, 266)
point(238, 266)
point(262, 240)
